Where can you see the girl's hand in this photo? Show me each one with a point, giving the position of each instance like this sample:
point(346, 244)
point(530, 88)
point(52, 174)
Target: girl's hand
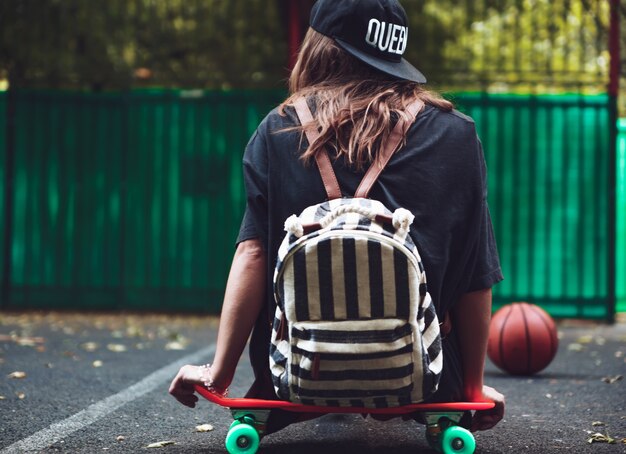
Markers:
point(487, 419)
point(182, 387)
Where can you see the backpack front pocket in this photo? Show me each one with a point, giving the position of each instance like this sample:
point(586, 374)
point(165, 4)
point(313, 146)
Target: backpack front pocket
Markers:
point(370, 361)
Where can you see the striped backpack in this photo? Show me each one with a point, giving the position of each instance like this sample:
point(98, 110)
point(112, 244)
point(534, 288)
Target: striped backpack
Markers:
point(354, 323)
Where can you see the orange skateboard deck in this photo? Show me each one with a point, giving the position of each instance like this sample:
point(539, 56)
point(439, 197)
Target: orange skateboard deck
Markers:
point(441, 419)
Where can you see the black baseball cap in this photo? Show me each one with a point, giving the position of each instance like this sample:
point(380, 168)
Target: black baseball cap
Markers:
point(374, 31)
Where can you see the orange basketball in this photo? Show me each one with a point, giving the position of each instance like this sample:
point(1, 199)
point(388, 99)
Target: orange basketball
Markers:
point(522, 339)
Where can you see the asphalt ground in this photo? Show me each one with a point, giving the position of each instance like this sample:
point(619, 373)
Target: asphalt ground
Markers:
point(97, 383)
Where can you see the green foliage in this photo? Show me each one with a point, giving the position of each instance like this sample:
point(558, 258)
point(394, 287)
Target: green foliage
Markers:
point(214, 43)
point(116, 44)
point(538, 44)
point(64, 43)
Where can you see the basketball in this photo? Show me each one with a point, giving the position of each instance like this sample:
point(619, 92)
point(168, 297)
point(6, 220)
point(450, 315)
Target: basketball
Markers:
point(522, 339)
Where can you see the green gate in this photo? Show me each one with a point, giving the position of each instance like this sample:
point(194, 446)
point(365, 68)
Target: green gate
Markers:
point(133, 200)
point(620, 244)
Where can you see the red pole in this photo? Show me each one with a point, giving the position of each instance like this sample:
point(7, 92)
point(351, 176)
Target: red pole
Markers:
point(614, 50)
point(295, 31)
point(614, 73)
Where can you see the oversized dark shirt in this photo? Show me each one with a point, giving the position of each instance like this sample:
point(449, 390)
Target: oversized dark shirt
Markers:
point(439, 175)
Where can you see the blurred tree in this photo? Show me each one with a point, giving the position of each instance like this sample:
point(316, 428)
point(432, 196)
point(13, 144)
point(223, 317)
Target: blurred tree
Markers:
point(122, 43)
point(116, 44)
point(535, 44)
point(210, 43)
point(57, 43)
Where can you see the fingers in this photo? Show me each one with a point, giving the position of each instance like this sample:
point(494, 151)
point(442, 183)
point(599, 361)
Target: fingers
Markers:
point(484, 421)
point(189, 400)
point(487, 419)
point(182, 388)
point(490, 393)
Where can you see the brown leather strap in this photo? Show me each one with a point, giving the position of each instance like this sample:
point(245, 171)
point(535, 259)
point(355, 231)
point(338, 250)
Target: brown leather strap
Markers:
point(396, 136)
point(322, 160)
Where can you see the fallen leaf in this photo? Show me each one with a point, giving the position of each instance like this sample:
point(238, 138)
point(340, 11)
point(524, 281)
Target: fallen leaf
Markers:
point(20, 395)
point(134, 331)
point(2, 398)
point(17, 374)
point(160, 444)
point(600, 438)
point(597, 423)
point(204, 428)
point(586, 339)
point(175, 345)
point(97, 363)
point(612, 379)
point(575, 347)
point(117, 348)
point(24, 341)
point(90, 346)
point(29, 341)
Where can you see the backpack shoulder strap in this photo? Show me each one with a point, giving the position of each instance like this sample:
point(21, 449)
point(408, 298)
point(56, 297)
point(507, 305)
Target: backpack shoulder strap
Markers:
point(392, 144)
point(321, 159)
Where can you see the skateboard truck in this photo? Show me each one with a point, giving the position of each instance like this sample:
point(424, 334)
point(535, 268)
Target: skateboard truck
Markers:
point(444, 432)
point(255, 418)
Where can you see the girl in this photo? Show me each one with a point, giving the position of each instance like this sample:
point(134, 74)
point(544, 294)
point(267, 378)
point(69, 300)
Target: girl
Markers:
point(351, 71)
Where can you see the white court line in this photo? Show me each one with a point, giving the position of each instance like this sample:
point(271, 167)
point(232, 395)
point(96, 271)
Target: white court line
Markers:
point(59, 430)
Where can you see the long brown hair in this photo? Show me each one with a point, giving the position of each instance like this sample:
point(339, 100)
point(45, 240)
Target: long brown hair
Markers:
point(355, 104)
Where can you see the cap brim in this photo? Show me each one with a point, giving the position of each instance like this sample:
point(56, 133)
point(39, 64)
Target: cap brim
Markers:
point(401, 70)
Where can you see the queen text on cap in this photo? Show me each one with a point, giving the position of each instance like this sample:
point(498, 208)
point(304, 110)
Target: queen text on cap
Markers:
point(387, 37)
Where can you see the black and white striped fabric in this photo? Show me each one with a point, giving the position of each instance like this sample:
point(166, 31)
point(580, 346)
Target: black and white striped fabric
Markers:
point(354, 324)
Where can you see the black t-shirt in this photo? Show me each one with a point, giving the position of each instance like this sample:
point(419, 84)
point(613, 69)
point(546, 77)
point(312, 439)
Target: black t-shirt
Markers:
point(439, 175)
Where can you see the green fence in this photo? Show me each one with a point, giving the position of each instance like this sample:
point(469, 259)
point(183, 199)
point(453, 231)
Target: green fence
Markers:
point(620, 245)
point(133, 200)
point(128, 200)
point(549, 160)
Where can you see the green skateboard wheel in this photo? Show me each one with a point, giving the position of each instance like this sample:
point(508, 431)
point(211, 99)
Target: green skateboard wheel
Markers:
point(457, 440)
point(242, 439)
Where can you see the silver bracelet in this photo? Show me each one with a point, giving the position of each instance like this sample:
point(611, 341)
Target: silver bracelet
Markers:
point(207, 381)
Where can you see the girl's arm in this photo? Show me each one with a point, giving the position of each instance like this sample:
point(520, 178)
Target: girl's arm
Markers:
point(243, 302)
point(471, 318)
